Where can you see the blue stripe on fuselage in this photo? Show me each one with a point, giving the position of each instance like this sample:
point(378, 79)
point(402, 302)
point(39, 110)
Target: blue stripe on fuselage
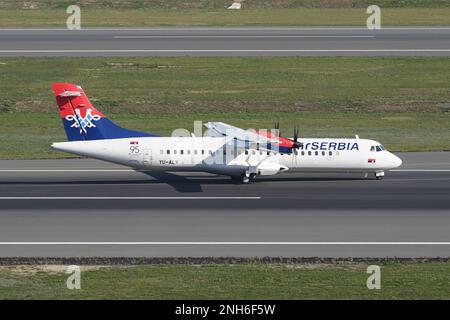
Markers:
point(102, 129)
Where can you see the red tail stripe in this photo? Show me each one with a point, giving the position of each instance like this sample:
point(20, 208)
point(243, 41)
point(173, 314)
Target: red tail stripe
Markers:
point(68, 105)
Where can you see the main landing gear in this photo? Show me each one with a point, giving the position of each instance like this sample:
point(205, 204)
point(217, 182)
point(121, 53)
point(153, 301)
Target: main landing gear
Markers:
point(248, 178)
point(249, 175)
point(245, 178)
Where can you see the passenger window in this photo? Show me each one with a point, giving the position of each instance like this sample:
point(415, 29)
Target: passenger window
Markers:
point(303, 153)
point(168, 151)
point(181, 151)
point(189, 152)
point(309, 153)
point(195, 152)
point(323, 153)
point(268, 153)
point(203, 151)
point(330, 153)
point(317, 153)
point(246, 152)
point(174, 151)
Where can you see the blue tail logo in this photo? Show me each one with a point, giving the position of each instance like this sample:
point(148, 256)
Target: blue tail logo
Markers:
point(83, 123)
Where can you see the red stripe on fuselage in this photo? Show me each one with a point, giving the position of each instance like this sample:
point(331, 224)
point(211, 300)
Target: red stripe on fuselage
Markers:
point(283, 142)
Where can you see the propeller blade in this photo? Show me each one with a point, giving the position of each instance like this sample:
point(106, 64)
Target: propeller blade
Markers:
point(295, 140)
point(276, 126)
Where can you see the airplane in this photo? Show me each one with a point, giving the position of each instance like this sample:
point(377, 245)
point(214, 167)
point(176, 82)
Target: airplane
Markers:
point(226, 150)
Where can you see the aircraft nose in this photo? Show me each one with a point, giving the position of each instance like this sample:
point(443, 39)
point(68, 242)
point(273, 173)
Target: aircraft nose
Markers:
point(397, 161)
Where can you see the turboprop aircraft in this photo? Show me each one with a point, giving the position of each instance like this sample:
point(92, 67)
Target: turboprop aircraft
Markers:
point(226, 150)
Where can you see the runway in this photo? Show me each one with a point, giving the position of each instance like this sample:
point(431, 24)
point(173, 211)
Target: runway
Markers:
point(90, 208)
point(226, 42)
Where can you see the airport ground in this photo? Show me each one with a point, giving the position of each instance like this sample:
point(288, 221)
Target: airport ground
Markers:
point(89, 208)
point(409, 205)
point(336, 280)
point(403, 102)
point(141, 13)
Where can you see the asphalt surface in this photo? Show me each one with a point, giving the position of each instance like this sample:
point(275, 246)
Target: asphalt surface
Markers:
point(226, 42)
point(91, 208)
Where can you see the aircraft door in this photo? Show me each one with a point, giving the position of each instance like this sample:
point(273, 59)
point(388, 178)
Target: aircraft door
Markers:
point(147, 157)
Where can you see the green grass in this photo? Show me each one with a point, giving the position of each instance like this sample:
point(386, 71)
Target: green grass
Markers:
point(212, 13)
point(398, 101)
point(248, 281)
point(215, 4)
point(219, 17)
point(187, 85)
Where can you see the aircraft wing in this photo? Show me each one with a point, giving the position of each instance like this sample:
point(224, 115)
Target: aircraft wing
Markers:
point(220, 129)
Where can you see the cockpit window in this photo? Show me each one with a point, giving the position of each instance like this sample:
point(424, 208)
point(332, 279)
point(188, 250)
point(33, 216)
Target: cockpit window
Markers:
point(377, 148)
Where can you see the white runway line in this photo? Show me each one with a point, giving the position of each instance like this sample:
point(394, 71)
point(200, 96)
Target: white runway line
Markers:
point(231, 51)
point(220, 243)
point(420, 170)
point(226, 29)
point(71, 170)
point(130, 198)
point(131, 170)
point(236, 36)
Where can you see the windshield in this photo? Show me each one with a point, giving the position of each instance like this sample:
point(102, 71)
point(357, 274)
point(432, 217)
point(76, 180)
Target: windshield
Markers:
point(377, 148)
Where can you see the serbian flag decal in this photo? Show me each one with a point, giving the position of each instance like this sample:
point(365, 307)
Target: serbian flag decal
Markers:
point(371, 160)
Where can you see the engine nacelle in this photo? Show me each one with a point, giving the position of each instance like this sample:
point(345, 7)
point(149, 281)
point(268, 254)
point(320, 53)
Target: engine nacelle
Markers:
point(270, 168)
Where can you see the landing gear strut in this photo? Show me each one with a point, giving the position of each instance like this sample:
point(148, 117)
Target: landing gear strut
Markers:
point(247, 178)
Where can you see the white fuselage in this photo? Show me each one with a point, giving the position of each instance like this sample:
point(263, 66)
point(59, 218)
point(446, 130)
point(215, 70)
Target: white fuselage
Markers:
point(209, 154)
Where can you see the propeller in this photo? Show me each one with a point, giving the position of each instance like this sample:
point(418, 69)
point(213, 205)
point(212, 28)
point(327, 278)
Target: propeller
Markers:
point(276, 126)
point(296, 144)
point(295, 139)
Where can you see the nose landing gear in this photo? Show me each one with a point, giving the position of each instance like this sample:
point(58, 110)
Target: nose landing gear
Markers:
point(379, 175)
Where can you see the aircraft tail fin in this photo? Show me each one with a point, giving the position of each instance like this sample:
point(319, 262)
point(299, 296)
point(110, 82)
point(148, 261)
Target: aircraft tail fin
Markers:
point(82, 121)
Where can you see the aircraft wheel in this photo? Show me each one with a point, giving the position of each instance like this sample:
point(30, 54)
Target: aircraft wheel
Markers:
point(245, 179)
point(379, 175)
